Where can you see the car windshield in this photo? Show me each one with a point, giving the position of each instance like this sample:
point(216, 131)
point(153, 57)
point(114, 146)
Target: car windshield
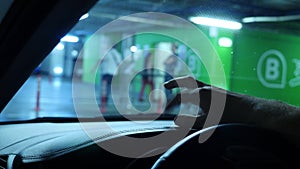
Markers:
point(115, 60)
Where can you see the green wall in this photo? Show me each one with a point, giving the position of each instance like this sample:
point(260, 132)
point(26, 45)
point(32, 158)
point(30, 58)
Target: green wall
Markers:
point(264, 65)
point(92, 54)
point(191, 59)
point(260, 63)
point(253, 53)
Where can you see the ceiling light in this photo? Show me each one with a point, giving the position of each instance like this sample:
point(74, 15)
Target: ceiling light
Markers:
point(133, 49)
point(225, 42)
point(216, 22)
point(60, 46)
point(84, 16)
point(58, 70)
point(74, 53)
point(271, 18)
point(70, 38)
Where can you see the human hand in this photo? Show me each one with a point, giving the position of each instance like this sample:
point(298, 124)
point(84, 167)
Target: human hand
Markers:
point(235, 105)
point(193, 91)
point(239, 108)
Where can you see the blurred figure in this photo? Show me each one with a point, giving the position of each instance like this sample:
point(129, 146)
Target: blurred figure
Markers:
point(170, 64)
point(125, 73)
point(147, 75)
point(109, 65)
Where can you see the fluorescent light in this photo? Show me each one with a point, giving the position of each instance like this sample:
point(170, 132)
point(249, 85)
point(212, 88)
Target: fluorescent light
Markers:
point(133, 49)
point(213, 32)
point(58, 70)
point(70, 38)
point(60, 46)
point(84, 16)
point(225, 42)
point(216, 22)
point(74, 52)
point(271, 18)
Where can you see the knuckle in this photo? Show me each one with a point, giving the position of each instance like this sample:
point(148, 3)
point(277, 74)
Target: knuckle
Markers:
point(190, 78)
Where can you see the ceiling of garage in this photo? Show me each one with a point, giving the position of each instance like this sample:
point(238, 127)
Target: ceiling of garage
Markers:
point(108, 10)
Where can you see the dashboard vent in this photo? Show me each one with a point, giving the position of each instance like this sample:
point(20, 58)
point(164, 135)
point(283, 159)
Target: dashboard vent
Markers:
point(3, 162)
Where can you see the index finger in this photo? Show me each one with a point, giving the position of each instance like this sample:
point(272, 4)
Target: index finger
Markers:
point(186, 81)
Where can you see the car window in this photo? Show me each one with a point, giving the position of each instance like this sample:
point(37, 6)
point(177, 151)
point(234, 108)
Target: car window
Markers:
point(116, 59)
point(5, 5)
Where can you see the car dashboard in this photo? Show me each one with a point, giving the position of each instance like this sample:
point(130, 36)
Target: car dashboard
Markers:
point(61, 145)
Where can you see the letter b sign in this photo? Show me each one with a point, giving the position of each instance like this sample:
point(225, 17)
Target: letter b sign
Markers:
point(271, 69)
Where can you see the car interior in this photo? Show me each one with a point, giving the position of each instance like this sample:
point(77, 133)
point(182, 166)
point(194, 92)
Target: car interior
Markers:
point(58, 110)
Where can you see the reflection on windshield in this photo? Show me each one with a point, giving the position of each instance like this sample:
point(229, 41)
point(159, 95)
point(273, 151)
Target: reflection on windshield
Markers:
point(133, 81)
point(112, 68)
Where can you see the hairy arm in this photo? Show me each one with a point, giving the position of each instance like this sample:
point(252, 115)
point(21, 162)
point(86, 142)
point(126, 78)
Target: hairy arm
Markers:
point(241, 108)
point(276, 115)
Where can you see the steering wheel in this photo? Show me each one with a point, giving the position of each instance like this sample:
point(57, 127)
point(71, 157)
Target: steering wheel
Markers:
point(231, 146)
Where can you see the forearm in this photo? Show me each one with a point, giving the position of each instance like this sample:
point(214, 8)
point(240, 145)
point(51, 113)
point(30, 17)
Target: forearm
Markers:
point(269, 114)
point(278, 116)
